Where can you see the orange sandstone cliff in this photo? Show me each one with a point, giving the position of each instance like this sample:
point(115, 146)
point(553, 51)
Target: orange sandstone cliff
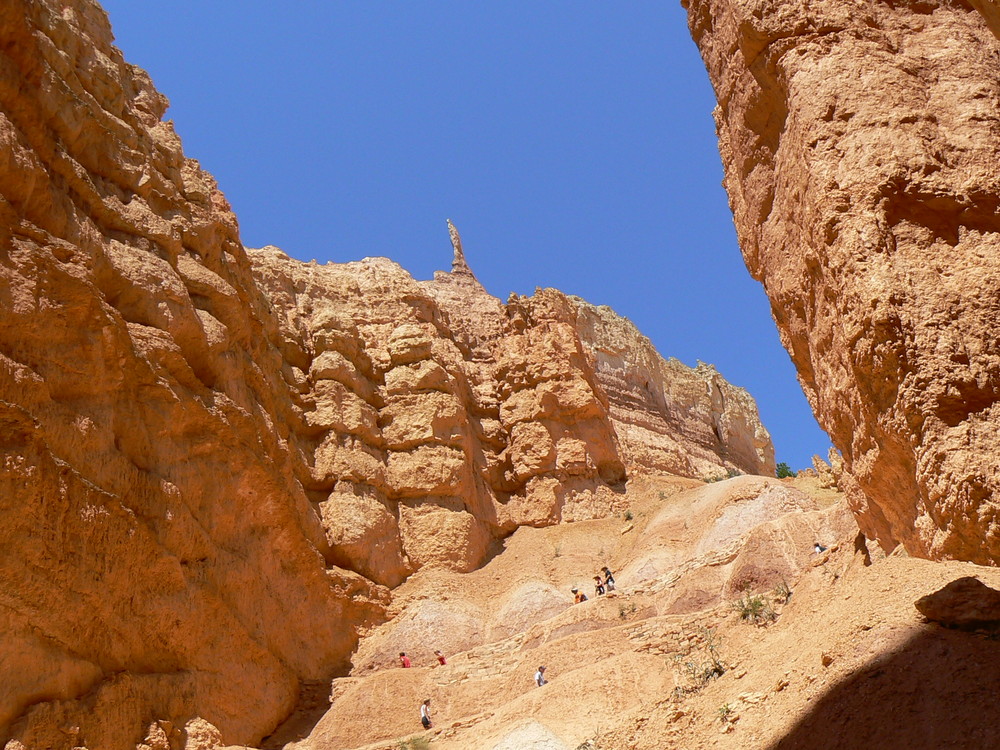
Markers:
point(860, 146)
point(218, 462)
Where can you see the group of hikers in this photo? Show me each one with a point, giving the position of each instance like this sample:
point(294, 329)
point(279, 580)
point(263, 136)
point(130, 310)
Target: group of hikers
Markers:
point(404, 660)
point(602, 585)
point(425, 707)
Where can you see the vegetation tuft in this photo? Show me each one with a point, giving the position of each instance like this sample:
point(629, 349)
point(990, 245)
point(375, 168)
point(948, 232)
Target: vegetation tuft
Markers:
point(700, 672)
point(730, 473)
point(754, 608)
point(783, 470)
point(781, 593)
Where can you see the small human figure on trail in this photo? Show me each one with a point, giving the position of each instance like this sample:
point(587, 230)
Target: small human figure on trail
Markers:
point(578, 596)
point(609, 580)
point(404, 660)
point(598, 586)
point(425, 714)
point(817, 548)
point(540, 677)
point(440, 658)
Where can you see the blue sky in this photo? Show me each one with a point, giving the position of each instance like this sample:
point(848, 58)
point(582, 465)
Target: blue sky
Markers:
point(571, 143)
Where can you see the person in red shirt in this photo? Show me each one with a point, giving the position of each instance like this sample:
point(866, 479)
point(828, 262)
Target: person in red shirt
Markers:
point(440, 658)
point(404, 660)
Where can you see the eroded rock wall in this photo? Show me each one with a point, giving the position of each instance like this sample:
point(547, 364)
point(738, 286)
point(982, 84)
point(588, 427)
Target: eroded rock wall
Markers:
point(861, 152)
point(669, 417)
point(153, 541)
point(215, 462)
point(433, 419)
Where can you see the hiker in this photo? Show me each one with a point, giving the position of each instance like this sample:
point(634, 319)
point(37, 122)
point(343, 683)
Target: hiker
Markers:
point(609, 580)
point(425, 714)
point(404, 660)
point(440, 658)
point(598, 586)
point(578, 596)
point(540, 677)
point(817, 548)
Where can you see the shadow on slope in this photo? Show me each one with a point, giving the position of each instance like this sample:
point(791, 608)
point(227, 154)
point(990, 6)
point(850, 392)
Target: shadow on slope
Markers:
point(939, 690)
point(313, 702)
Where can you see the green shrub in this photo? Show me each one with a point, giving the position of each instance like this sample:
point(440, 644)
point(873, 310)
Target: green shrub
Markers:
point(700, 672)
point(754, 608)
point(783, 470)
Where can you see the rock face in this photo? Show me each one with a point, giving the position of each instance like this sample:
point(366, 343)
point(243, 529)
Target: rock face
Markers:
point(435, 419)
point(159, 558)
point(965, 602)
point(860, 148)
point(214, 461)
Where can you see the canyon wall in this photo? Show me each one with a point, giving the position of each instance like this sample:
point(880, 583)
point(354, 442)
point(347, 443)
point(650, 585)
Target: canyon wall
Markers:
point(434, 419)
point(158, 557)
point(861, 143)
point(217, 462)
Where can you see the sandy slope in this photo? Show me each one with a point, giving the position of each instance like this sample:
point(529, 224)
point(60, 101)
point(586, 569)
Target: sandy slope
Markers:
point(617, 664)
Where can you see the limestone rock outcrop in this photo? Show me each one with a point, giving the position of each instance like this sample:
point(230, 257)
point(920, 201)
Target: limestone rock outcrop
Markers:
point(860, 149)
point(159, 560)
point(670, 417)
point(216, 462)
point(433, 419)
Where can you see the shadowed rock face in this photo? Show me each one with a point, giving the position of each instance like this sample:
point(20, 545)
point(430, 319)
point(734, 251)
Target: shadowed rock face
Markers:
point(213, 462)
point(860, 145)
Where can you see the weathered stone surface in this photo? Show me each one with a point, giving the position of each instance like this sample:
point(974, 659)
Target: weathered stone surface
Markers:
point(860, 149)
point(213, 460)
point(159, 559)
point(470, 417)
point(963, 603)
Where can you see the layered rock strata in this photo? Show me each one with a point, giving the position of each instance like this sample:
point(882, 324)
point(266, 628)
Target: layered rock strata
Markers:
point(433, 419)
point(860, 145)
point(215, 461)
point(158, 557)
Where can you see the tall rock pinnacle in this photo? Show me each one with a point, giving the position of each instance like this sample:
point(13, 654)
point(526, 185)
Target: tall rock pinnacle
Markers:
point(458, 265)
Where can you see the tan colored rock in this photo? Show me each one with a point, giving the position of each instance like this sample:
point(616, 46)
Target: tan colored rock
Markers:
point(860, 151)
point(493, 416)
point(667, 416)
point(212, 459)
point(965, 602)
point(201, 735)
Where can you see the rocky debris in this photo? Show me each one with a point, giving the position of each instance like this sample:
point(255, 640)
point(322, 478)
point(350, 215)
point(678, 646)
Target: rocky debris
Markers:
point(859, 146)
point(966, 602)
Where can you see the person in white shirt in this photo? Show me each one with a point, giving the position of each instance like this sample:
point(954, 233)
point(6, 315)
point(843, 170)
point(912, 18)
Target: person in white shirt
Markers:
point(425, 714)
point(540, 677)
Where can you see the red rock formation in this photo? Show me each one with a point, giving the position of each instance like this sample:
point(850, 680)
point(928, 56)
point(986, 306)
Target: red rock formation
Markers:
point(212, 460)
point(158, 557)
point(860, 148)
point(435, 419)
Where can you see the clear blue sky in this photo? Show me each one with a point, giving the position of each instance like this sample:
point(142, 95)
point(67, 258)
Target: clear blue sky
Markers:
point(572, 144)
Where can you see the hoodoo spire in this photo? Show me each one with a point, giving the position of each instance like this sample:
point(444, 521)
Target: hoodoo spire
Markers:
point(458, 265)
